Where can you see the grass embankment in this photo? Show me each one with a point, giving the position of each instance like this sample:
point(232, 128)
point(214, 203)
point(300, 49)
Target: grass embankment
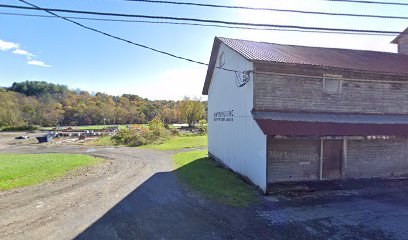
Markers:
point(17, 170)
point(22, 128)
point(103, 141)
point(209, 178)
point(90, 127)
point(180, 142)
point(174, 143)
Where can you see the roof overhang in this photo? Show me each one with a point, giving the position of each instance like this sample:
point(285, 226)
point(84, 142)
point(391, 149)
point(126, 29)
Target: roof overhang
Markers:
point(396, 40)
point(211, 65)
point(330, 124)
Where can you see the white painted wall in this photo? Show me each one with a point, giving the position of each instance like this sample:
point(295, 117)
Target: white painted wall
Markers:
point(240, 144)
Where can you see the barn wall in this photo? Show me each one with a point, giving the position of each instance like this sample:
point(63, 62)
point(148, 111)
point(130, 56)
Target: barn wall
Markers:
point(235, 140)
point(376, 158)
point(292, 93)
point(293, 159)
point(403, 44)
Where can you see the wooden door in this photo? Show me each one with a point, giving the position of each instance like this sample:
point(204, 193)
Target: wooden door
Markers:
point(332, 159)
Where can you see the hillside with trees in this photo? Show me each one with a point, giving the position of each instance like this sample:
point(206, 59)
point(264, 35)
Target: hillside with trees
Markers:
point(48, 104)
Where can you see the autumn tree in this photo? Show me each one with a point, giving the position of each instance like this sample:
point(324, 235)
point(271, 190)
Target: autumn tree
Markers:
point(191, 110)
point(42, 103)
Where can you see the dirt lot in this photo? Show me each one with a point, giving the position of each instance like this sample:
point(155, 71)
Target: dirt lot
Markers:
point(85, 200)
point(135, 195)
point(64, 208)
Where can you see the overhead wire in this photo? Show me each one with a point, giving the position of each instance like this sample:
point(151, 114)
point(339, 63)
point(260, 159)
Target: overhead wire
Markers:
point(369, 2)
point(123, 39)
point(269, 9)
point(296, 27)
point(51, 11)
point(188, 24)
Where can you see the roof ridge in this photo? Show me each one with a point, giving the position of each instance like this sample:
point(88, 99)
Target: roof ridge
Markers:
point(314, 47)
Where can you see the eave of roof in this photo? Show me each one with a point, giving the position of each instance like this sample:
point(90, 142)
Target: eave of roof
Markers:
point(396, 40)
point(330, 124)
point(211, 65)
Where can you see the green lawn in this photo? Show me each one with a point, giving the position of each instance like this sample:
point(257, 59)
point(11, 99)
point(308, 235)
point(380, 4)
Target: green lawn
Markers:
point(17, 170)
point(207, 177)
point(180, 143)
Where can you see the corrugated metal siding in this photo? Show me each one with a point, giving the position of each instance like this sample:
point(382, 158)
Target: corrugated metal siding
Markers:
point(293, 160)
point(376, 158)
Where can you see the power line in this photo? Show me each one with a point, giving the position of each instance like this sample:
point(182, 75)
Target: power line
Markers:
point(269, 9)
point(370, 2)
point(49, 10)
point(122, 39)
point(188, 24)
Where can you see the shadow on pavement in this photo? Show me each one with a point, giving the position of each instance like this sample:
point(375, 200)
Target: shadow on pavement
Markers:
point(162, 208)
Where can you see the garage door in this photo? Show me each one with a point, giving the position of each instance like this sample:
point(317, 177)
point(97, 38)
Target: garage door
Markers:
point(293, 159)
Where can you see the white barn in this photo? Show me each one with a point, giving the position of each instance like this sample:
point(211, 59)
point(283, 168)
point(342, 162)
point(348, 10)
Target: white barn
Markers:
point(292, 113)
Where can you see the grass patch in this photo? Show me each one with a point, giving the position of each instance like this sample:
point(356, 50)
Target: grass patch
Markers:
point(18, 170)
point(89, 127)
point(103, 141)
point(207, 177)
point(181, 142)
point(19, 128)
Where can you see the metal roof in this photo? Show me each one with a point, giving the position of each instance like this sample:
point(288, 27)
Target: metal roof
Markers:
point(344, 59)
point(332, 117)
point(396, 40)
point(382, 62)
point(330, 124)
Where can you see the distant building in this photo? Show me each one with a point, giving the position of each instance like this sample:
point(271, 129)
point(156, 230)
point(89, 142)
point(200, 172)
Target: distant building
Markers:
point(294, 113)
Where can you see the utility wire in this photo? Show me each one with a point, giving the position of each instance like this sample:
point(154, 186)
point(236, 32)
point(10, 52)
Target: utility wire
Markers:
point(269, 9)
point(188, 24)
point(370, 2)
point(52, 10)
point(120, 38)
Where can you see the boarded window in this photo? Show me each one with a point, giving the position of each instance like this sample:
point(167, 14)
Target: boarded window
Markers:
point(332, 84)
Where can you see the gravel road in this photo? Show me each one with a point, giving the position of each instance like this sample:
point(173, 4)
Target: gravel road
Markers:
point(64, 208)
point(134, 194)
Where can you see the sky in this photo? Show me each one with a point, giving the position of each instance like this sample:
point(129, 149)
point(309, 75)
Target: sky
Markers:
point(52, 50)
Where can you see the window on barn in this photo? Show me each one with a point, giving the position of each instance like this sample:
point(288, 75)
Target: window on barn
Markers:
point(332, 84)
point(221, 60)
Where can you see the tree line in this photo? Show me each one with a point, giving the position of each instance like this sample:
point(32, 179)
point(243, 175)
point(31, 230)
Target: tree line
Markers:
point(48, 104)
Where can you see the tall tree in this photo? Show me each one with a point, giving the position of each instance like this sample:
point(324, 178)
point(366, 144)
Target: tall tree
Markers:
point(191, 110)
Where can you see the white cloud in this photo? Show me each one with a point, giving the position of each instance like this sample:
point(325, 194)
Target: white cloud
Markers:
point(38, 63)
point(23, 52)
point(5, 46)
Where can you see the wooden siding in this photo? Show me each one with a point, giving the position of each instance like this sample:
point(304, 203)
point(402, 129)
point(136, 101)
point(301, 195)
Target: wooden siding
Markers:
point(291, 93)
point(376, 158)
point(293, 160)
point(403, 45)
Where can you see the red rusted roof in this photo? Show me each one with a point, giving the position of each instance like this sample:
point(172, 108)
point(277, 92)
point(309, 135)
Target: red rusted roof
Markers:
point(360, 60)
point(383, 62)
point(330, 124)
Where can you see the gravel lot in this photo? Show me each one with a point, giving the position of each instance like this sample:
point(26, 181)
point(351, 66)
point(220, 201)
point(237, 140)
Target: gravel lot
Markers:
point(136, 195)
point(133, 195)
